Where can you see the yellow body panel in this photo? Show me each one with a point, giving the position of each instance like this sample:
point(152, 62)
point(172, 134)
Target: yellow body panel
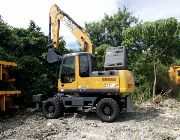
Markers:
point(63, 86)
point(105, 82)
point(174, 75)
point(124, 83)
point(127, 83)
point(84, 83)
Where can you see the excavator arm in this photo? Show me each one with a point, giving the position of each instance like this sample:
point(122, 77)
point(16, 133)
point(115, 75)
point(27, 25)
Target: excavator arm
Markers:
point(56, 16)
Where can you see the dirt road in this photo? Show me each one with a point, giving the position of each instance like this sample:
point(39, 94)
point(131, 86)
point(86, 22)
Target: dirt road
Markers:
point(149, 121)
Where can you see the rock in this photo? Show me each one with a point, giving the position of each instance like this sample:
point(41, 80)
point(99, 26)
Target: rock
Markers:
point(49, 124)
point(148, 122)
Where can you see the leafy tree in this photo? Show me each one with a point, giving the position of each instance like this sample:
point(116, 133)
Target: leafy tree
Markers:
point(156, 43)
point(28, 48)
point(109, 31)
point(5, 37)
point(158, 39)
point(101, 55)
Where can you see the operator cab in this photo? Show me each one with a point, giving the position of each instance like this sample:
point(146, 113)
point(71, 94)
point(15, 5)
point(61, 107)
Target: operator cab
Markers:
point(87, 64)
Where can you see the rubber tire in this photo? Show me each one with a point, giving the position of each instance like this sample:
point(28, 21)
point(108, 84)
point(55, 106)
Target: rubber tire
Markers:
point(57, 105)
point(112, 104)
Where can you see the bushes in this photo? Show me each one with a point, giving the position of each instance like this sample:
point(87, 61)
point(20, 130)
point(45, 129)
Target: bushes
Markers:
point(28, 48)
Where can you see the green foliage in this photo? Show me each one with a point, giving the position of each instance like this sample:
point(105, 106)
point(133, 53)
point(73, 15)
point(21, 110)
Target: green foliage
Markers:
point(146, 44)
point(109, 31)
point(101, 55)
point(158, 39)
point(152, 42)
point(28, 48)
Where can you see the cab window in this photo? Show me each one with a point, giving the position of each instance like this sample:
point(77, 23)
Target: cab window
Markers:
point(68, 70)
point(83, 65)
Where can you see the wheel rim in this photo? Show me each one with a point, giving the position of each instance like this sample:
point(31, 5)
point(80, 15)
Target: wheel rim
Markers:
point(107, 110)
point(50, 109)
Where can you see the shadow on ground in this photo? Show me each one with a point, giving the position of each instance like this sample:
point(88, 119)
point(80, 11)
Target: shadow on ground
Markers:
point(141, 114)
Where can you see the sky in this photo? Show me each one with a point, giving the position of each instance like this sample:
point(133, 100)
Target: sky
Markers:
point(18, 13)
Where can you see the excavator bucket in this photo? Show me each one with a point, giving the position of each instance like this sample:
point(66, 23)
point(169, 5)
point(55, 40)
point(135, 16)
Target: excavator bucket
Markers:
point(53, 57)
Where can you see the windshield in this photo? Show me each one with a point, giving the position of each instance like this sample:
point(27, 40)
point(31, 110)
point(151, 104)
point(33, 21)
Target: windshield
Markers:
point(68, 70)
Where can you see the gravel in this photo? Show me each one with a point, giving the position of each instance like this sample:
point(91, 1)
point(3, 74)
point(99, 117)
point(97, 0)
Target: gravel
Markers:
point(149, 121)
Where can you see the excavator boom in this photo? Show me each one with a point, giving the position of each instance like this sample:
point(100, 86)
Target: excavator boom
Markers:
point(56, 16)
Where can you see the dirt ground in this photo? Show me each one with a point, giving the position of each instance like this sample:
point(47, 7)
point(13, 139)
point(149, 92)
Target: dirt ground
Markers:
point(148, 122)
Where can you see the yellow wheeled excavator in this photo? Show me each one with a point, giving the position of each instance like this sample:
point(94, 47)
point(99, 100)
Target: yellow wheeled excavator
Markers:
point(80, 84)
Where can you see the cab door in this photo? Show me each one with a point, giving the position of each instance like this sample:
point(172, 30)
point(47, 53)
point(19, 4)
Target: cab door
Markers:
point(68, 80)
point(84, 79)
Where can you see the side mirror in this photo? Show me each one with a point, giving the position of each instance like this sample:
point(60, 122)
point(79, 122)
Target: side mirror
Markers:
point(53, 57)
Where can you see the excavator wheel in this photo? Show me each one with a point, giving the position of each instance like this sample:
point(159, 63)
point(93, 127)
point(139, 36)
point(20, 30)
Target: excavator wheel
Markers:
point(107, 109)
point(52, 108)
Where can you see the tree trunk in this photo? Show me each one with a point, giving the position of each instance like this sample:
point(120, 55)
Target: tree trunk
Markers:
point(154, 85)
